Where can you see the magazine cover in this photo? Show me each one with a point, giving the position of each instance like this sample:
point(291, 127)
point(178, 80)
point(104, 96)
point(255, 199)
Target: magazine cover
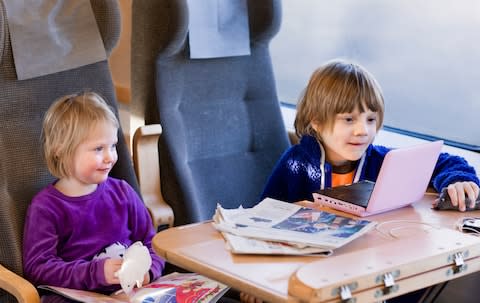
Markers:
point(278, 221)
point(171, 288)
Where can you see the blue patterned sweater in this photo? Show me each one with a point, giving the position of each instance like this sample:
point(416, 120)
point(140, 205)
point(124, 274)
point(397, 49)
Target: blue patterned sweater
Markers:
point(298, 172)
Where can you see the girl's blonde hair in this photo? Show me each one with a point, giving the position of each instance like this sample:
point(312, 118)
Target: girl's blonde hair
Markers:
point(337, 87)
point(67, 123)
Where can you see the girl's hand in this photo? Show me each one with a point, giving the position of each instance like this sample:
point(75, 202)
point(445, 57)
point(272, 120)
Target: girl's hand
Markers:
point(246, 298)
point(146, 279)
point(110, 267)
point(459, 190)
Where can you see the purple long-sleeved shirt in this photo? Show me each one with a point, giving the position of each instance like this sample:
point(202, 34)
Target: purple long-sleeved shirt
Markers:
point(63, 234)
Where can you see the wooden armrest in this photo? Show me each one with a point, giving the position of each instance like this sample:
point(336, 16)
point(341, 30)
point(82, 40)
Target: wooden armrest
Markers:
point(147, 168)
point(23, 290)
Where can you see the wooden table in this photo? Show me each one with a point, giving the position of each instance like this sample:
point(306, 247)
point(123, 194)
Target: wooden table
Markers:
point(200, 248)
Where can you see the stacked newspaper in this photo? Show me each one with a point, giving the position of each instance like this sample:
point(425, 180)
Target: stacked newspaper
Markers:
point(276, 227)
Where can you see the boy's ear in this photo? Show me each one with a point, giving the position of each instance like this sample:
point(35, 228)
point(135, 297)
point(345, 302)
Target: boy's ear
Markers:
point(316, 126)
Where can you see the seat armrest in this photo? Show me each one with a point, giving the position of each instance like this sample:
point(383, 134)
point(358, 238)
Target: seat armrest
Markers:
point(20, 288)
point(147, 168)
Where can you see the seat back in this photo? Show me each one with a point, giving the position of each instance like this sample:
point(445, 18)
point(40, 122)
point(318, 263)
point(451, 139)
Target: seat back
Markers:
point(221, 120)
point(22, 106)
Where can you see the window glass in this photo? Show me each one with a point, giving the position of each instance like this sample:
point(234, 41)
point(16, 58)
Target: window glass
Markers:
point(425, 54)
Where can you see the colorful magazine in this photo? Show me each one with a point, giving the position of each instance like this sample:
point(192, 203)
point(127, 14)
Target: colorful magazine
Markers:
point(285, 228)
point(171, 288)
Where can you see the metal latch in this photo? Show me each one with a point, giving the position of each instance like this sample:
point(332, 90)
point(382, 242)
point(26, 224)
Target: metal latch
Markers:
point(388, 280)
point(345, 293)
point(459, 265)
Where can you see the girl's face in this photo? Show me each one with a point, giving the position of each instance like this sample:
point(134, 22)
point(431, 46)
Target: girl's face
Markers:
point(350, 136)
point(94, 157)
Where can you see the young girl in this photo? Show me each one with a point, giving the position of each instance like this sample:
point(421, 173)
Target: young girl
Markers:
point(77, 228)
point(337, 119)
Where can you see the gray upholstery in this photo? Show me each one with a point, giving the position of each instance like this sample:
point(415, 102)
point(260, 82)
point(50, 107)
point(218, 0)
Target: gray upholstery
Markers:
point(221, 120)
point(22, 105)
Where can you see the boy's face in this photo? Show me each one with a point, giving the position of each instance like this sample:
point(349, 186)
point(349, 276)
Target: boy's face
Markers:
point(349, 137)
point(96, 155)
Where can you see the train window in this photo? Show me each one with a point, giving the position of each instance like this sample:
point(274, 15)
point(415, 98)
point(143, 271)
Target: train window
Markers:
point(425, 54)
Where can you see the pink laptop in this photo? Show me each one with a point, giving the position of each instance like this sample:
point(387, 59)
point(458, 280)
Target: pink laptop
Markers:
point(403, 179)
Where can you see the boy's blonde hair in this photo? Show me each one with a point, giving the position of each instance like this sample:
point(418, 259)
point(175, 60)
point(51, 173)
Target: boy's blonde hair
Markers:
point(337, 87)
point(67, 123)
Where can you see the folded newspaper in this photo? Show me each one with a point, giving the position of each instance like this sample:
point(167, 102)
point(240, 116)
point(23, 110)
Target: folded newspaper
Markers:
point(276, 227)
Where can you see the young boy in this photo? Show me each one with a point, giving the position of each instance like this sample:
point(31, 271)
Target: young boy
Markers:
point(337, 120)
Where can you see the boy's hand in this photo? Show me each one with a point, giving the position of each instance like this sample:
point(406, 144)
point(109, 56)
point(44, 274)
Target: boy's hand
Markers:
point(458, 191)
point(110, 267)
